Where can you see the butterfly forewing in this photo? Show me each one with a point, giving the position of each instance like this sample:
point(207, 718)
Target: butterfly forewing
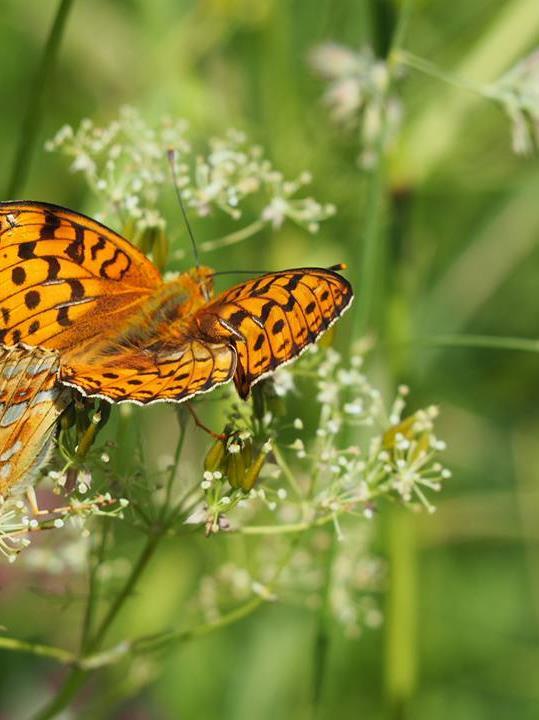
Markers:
point(31, 401)
point(276, 317)
point(60, 272)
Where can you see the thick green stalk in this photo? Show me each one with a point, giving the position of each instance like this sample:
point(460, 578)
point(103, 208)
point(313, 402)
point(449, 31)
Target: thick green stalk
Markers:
point(31, 121)
point(401, 612)
point(368, 260)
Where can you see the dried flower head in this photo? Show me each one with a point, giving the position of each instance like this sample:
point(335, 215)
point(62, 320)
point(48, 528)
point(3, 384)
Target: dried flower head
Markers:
point(358, 95)
point(518, 93)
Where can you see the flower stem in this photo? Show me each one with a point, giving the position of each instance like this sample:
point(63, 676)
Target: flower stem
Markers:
point(78, 675)
point(408, 59)
point(59, 654)
point(323, 633)
point(234, 237)
point(480, 341)
point(31, 121)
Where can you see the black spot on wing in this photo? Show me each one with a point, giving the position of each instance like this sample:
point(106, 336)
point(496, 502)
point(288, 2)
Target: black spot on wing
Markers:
point(96, 247)
point(54, 267)
point(62, 317)
point(77, 289)
point(18, 275)
point(32, 299)
point(259, 341)
point(26, 250)
point(49, 227)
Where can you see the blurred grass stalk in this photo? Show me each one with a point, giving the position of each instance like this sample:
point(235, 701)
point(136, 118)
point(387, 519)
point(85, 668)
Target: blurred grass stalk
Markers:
point(31, 121)
point(400, 652)
point(438, 129)
point(424, 145)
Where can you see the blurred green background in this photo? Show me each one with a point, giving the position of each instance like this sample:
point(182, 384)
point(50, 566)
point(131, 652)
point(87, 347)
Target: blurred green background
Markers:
point(459, 233)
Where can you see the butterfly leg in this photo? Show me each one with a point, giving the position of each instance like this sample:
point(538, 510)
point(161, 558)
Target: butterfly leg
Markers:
point(200, 424)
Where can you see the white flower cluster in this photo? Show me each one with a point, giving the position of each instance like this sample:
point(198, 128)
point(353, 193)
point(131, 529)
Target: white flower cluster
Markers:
point(358, 95)
point(359, 453)
point(518, 93)
point(126, 163)
point(325, 479)
point(14, 526)
point(18, 519)
point(395, 456)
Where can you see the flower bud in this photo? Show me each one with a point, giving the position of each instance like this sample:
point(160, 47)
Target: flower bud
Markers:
point(403, 428)
point(253, 471)
point(235, 469)
point(214, 456)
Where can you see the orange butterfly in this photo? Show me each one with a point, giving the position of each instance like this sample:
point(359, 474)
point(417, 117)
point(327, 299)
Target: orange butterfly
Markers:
point(69, 284)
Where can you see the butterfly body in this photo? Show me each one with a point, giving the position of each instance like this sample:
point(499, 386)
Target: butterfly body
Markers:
point(72, 285)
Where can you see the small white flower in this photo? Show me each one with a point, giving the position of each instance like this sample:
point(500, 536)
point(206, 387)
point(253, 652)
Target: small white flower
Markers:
point(353, 408)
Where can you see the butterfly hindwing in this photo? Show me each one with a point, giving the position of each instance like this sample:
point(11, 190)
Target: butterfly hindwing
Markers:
point(31, 401)
point(135, 375)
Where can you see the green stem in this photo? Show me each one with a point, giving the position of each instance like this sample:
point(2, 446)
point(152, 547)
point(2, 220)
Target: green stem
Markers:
point(78, 676)
point(74, 681)
point(234, 237)
point(323, 633)
point(289, 475)
point(400, 654)
point(173, 471)
point(480, 341)
point(160, 640)
point(96, 558)
point(368, 261)
point(31, 121)
point(147, 553)
point(368, 277)
point(408, 59)
point(63, 656)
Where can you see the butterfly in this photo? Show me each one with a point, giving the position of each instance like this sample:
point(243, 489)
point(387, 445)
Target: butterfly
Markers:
point(121, 333)
point(31, 401)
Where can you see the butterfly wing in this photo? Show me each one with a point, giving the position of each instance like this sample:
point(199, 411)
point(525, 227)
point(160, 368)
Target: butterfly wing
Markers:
point(164, 374)
point(31, 401)
point(273, 318)
point(246, 333)
point(63, 275)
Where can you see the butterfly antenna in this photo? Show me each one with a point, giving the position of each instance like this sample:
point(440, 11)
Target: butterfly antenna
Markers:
point(338, 268)
point(171, 154)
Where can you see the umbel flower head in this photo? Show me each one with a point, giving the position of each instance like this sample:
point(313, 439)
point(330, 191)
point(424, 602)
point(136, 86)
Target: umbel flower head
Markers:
point(358, 95)
point(126, 164)
point(518, 93)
